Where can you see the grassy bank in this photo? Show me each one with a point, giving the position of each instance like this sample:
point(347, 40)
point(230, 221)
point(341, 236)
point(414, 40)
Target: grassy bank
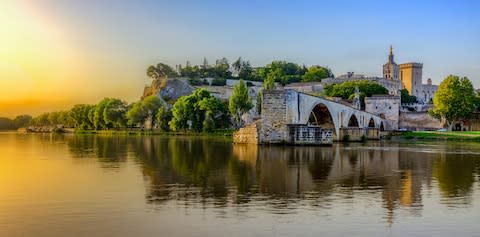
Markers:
point(434, 135)
point(222, 133)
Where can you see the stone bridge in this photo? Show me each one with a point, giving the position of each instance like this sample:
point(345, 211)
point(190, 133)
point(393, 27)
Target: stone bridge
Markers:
point(292, 117)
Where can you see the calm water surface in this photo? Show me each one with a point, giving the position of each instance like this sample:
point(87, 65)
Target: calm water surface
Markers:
point(189, 186)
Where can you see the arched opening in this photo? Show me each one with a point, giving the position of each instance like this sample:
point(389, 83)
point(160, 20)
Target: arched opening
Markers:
point(320, 116)
point(353, 122)
point(382, 128)
point(371, 123)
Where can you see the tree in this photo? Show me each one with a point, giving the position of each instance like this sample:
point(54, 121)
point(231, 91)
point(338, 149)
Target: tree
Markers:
point(199, 111)
point(160, 70)
point(98, 119)
point(240, 102)
point(115, 113)
point(259, 102)
point(346, 90)
point(144, 110)
point(53, 118)
point(136, 114)
point(222, 68)
point(22, 120)
point(454, 100)
point(317, 73)
point(269, 83)
point(6, 124)
point(163, 117)
point(406, 98)
point(243, 69)
point(79, 114)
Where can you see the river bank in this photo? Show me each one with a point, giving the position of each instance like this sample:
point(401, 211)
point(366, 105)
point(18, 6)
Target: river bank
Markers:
point(134, 132)
point(435, 135)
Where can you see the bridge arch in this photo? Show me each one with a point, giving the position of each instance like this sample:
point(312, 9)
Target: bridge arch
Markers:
point(353, 122)
point(371, 123)
point(320, 115)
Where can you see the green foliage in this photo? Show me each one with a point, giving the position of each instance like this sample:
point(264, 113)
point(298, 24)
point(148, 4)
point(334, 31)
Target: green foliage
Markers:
point(346, 90)
point(163, 117)
point(160, 70)
point(282, 72)
point(137, 114)
point(114, 113)
point(454, 100)
point(269, 83)
point(98, 118)
point(22, 121)
point(143, 110)
point(222, 68)
point(476, 102)
point(240, 102)
point(243, 69)
point(218, 81)
point(199, 111)
point(259, 102)
point(317, 73)
point(406, 98)
point(80, 116)
point(195, 82)
point(6, 124)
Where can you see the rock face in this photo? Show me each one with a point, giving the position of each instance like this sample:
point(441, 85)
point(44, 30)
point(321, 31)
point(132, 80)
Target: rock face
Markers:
point(168, 88)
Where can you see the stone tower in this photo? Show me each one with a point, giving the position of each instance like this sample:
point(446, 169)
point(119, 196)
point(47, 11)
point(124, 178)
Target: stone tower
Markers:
point(390, 69)
point(411, 77)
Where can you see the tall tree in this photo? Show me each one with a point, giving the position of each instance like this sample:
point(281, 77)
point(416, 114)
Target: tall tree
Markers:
point(240, 102)
point(137, 114)
point(98, 118)
point(454, 100)
point(160, 70)
point(115, 113)
point(79, 114)
point(269, 83)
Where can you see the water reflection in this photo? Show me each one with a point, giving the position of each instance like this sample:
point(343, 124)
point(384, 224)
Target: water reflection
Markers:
point(213, 173)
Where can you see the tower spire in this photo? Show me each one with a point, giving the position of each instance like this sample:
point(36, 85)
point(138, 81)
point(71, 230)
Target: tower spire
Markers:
point(390, 56)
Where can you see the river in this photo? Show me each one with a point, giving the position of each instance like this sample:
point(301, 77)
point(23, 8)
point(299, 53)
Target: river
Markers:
point(92, 185)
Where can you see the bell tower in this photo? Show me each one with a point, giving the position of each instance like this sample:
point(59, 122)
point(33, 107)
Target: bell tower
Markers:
point(390, 69)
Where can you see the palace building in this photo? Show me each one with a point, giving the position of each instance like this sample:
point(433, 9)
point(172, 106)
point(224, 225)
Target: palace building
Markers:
point(410, 75)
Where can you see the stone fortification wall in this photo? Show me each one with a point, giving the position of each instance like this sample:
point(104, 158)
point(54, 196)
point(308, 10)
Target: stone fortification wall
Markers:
point(474, 122)
point(418, 121)
point(274, 127)
point(386, 107)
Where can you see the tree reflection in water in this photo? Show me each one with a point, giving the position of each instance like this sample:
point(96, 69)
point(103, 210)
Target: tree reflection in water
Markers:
point(213, 172)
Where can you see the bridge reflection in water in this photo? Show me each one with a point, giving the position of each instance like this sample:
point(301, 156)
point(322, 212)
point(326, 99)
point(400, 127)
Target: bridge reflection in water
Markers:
point(213, 172)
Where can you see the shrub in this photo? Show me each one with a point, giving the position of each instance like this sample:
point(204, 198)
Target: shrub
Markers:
point(195, 82)
point(219, 81)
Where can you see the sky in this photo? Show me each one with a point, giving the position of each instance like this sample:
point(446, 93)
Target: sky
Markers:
point(57, 53)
